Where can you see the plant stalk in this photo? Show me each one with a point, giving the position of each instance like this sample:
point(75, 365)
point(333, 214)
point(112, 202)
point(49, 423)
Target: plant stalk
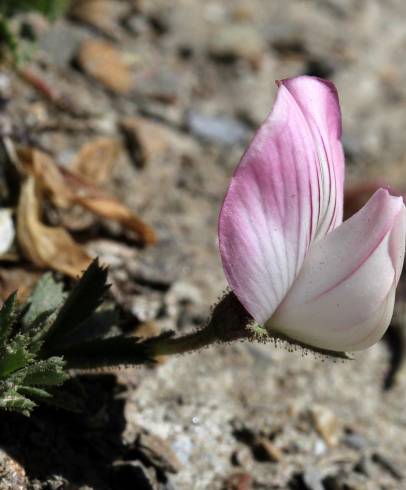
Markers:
point(227, 324)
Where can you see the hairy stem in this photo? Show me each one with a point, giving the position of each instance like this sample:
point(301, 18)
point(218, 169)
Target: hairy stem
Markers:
point(227, 324)
point(181, 345)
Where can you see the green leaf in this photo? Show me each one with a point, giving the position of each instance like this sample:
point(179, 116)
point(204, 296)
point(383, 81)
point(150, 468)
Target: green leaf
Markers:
point(8, 314)
point(15, 356)
point(29, 381)
point(83, 300)
point(47, 296)
point(98, 326)
point(50, 8)
point(38, 329)
point(33, 392)
point(12, 400)
point(109, 352)
point(49, 372)
point(24, 376)
point(8, 40)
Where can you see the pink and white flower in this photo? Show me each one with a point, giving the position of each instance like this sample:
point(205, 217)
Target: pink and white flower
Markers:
point(289, 259)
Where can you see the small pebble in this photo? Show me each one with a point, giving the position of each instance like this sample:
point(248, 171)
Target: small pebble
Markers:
point(219, 130)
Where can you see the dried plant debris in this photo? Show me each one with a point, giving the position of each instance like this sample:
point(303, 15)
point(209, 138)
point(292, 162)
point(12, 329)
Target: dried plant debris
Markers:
point(67, 188)
point(103, 62)
point(101, 15)
point(46, 246)
point(96, 159)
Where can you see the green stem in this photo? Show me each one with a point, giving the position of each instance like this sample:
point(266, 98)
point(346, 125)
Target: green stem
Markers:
point(181, 345)
point(227, 324)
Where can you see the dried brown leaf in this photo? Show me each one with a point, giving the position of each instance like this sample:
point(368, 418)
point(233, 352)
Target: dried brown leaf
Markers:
point(103, 62)
point(43, 245)
point(96, 159)
point(99, 202)
point(66, 187)
point(103, 15)
point(46, 173)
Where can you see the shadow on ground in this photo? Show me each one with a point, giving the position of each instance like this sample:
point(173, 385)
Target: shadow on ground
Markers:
point(79, 447)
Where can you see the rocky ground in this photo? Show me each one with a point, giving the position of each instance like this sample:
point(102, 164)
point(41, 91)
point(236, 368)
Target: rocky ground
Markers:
point(178, 89)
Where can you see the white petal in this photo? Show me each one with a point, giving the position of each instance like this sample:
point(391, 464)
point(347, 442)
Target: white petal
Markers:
point(343, 297)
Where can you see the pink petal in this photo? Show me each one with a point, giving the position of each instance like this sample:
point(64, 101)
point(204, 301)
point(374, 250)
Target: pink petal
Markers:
point(285, 193)
point(322, 112)
point(343, 297)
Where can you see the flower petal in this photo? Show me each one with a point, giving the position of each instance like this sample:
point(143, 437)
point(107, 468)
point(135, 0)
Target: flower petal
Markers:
point(285, 193)
point(343, 297)
point(322, 112)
